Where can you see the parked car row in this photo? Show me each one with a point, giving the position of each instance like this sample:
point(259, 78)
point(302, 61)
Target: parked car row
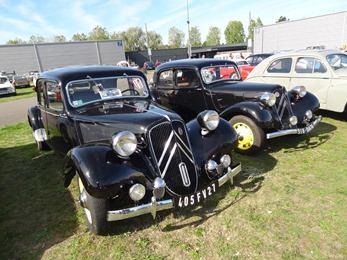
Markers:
point(6, 87)
point(137, 150)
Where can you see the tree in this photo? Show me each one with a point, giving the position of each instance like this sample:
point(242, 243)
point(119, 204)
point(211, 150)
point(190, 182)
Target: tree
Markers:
point(234, 32)
point(176, 37)
point(195, 36)
point(282, 19)
point(213, 36)
point(134, 39)
point(37, 39)
point(79, 37)
point(16, 41)
point(155, 40)
point(59, 38)
point(252, 26)
point(99, 33)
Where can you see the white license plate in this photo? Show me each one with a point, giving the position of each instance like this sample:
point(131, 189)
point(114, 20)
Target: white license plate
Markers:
point(197, 197)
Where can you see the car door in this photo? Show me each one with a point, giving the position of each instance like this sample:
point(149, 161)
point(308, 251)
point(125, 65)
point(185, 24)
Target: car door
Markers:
point(181, 90)
point(279, 72)
point(54, 116)
point(313, 74)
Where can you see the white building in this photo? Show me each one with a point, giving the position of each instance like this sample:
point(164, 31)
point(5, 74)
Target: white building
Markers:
point(325, 32)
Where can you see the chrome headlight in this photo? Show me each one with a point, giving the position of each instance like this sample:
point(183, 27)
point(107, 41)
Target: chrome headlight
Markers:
point(159, 187)
point(293, 120)
point(308, 114)
point(124, 143)
point(137, 192)
point(300, 91)
point(268, 98)
point(208, 119)
point(225, 160)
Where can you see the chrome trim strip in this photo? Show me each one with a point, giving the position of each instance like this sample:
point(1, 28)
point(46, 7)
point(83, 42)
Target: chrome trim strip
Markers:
point(165, 148)
point(169, 160)
point(298, 131)
point(155, 206)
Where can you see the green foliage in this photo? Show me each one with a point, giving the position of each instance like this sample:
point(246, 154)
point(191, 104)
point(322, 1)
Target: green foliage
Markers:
point(234, 32)
point(176, 37)
point(213, 36)
point(195, 36)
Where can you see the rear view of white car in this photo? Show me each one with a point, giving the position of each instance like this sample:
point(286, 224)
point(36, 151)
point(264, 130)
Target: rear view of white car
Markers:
point(6, 87)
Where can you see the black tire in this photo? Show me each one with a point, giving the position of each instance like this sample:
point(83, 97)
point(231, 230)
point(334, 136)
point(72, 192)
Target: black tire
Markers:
point(251, 137)
point(95, 210)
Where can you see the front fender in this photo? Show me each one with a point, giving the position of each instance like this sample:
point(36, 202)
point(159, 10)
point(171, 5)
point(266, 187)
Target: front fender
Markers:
point(101, 171)
point(221, 140)
point(260, 115)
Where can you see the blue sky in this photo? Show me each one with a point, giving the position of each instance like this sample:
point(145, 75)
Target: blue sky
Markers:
point(47, 18)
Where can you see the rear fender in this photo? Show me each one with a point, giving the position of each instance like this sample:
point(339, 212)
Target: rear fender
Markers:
point(35, 118)
point(102, 172)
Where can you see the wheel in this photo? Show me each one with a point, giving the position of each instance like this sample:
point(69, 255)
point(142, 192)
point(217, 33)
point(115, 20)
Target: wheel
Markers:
point(95, 210)
point(131, 90)
point(251, 137)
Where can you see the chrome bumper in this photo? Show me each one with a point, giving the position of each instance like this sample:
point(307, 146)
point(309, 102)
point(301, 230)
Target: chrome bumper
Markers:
point(156, 206)
point(298, 131)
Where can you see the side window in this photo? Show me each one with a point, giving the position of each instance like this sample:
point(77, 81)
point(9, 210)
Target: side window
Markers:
point(165, 79)
point(39, 89)
point(280, 66)
point(186, 78)
point(53, 90)
point(309, 65)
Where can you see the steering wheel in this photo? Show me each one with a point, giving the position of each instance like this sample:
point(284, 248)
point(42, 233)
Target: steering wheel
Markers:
point(130, 90)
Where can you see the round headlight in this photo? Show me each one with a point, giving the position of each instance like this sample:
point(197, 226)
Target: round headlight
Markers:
point(293, 120)
point(268, 98)
point(308, 114)
point(211, 165)
point(299, 91)
point(124, 143)
point(159, 187)
point(208, 119)
point(137, 192)
point(225, 160)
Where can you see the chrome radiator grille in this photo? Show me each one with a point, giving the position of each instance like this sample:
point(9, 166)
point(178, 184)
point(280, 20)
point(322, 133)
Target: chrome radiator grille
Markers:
point(173, 156)
point(283, 108)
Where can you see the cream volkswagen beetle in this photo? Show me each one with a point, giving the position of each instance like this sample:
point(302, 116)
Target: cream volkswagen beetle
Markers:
point(322, 72)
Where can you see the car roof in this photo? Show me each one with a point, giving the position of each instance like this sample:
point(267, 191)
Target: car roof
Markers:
point(199, 63)
point(67, 74)
point(320, 53)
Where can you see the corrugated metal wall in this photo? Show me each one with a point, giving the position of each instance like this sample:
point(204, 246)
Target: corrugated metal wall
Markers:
point(46, 56)
point(329, 31)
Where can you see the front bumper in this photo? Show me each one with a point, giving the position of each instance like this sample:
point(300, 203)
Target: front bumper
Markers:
point(155, 206)
point(299, 131)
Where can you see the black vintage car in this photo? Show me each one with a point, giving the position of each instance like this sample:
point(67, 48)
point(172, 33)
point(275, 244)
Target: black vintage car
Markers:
point(130, 155)
point(256, 110)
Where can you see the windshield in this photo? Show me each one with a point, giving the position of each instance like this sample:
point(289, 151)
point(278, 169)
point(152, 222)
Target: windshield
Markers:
point(337, 61)
point(90, 90)
point(218, 73)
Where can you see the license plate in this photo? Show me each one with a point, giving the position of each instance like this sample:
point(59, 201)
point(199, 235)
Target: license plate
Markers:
point(197, 197)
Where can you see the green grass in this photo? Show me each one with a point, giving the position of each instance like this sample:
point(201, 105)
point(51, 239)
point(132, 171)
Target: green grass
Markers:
point(289, 202)
point(21, 93)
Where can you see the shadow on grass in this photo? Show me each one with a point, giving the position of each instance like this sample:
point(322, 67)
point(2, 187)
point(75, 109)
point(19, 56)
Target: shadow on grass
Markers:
point(36, 211)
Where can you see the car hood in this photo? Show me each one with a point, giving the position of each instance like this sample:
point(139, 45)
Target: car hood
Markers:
point(244, 88)
point(101, 121)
